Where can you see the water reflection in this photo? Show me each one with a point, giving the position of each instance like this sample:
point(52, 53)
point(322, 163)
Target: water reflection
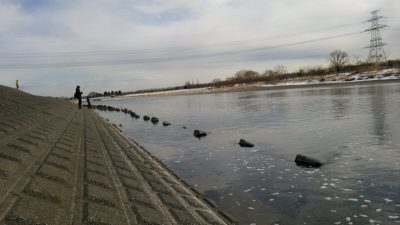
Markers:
point(279, 94)
point(341, 102)
point(378, 106)
point(248, 102)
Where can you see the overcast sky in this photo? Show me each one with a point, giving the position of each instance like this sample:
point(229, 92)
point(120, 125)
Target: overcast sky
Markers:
point(53, 45)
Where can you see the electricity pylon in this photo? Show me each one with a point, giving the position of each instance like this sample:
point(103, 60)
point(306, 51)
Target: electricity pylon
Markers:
point(376, 52)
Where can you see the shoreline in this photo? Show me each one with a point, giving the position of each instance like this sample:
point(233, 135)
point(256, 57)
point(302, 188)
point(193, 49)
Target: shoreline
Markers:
point(252, 87)
point(341, 79)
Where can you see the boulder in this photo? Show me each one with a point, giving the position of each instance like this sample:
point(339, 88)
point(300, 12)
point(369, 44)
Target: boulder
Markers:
point(184, 127)
point(302, 160)
point(244, 143)
point(154, 120)
point(165, 123)
point(146, 118)
point(199, 133)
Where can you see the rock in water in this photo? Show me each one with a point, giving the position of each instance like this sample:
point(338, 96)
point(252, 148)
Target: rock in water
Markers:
point(154, 120)
point(146, 118)
point(165, 123)
point(199, 133)
point(306, 161)
point(244, 143)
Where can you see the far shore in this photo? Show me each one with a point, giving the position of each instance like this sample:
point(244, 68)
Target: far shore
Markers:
point(254, 87)
point(338, 79)
point(257, 87)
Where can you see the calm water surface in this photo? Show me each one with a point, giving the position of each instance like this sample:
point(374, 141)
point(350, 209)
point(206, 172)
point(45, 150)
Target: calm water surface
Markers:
point(354, 130)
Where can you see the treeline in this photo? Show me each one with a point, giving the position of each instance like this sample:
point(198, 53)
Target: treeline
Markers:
point(339, 62)
point(279, 73)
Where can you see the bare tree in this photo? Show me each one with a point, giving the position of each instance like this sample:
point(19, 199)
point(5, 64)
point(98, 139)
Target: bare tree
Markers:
point(280, 70)
point(246, 74)
point(338, 59)
point(187, 84)
point(217, 80)
point(268, 72)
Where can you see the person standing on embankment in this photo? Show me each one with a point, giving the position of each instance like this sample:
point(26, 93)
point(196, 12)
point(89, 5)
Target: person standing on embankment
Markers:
point(17, 84)
point(78, 95)
point(88, 102)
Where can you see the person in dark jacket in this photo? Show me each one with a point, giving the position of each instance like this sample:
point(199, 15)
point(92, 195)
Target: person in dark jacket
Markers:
point(78, 95)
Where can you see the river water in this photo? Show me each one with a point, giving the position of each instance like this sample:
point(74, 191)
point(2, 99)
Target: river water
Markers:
point(354, 130)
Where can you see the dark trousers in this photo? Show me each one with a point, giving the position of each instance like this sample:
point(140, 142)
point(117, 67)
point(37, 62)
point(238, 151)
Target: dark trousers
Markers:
point(80, 102)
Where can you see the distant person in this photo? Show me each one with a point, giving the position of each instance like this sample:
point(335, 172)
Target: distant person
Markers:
point(88, 102)
point(78, 95)
point(17, 84)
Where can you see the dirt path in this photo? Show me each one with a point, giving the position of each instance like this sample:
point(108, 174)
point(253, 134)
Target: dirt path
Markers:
point(61, 165)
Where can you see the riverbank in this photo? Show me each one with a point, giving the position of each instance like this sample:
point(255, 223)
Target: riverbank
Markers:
point(382, 76)
point(63, 165)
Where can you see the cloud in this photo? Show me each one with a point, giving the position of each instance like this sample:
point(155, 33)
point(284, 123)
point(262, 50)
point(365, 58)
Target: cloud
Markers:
point(154, 43)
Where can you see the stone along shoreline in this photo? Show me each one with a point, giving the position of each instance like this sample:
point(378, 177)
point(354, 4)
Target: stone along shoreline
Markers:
point(61, 165)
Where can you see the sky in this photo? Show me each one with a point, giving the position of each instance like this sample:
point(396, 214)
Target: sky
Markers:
point(51, 46)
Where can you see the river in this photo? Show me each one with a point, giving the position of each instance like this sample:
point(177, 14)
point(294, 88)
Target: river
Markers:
point(354, 130)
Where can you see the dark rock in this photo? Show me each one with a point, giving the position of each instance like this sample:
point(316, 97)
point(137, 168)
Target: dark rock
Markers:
point(244, 143)
point(350, 79)
point(133, 115)
point(184, 127)
point(165, 123)
point(306, 161)
point(199, 133)
point(154, 120)
point(146, 118)
point(137, 116)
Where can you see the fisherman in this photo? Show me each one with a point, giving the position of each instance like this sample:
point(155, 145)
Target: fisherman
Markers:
point(78, 95)
point(88, 102)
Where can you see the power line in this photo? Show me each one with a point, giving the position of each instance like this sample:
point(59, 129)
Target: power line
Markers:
point(166, 58)
point(165, 49)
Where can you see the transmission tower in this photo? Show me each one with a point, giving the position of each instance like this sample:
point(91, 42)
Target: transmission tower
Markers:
point(376, 52)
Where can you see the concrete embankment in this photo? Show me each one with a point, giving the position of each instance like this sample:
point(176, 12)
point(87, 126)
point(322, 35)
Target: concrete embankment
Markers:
point(61, 165)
